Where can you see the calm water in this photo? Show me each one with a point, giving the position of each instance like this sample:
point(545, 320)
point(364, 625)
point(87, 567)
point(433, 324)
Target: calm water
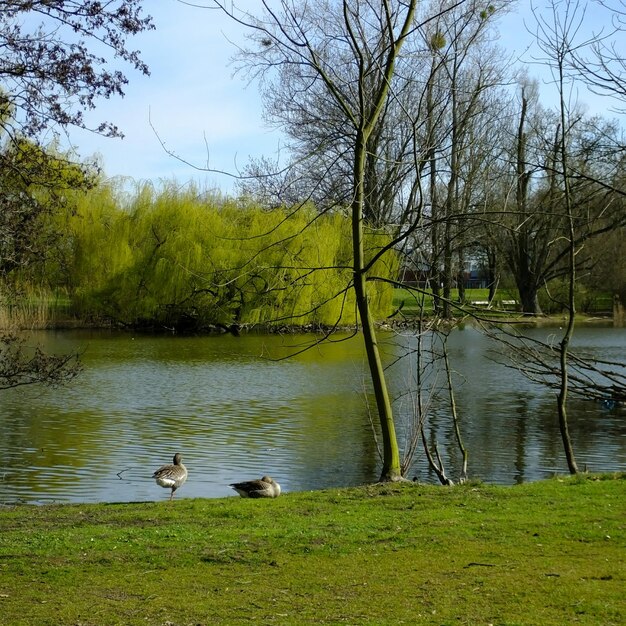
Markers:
point(236, 411)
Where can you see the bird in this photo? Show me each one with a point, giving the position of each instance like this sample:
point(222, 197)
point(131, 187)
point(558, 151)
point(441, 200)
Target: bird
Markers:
point(171, 476)
point(266, 487)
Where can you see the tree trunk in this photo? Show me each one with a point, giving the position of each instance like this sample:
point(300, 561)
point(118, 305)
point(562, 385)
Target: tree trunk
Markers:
point(562, 404)
point(529, 297)
point(435, 274)
point(526, 284)
point(391, 454)
point(451, 199)
point(447, 270)
point(369, 114)
point(492, 273)
point(571, 252)
point(460, 276)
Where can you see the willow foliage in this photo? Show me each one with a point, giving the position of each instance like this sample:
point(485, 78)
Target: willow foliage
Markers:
point(177, 259)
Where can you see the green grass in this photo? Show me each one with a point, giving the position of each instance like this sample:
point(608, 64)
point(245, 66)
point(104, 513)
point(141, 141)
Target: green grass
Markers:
point(550, 552)
point(410, 301)
point(505, 304)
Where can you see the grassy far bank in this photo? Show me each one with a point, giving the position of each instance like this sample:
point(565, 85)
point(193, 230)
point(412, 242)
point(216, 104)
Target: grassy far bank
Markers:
point(505, 303)
point(410, 301)
point(550, 552)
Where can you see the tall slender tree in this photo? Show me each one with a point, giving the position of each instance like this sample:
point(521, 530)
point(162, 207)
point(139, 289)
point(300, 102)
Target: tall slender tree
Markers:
point(347, 52)
point(556, 41)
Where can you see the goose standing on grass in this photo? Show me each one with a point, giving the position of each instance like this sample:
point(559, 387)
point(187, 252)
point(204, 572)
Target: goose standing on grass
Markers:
point(171, 476)
point(266, 487)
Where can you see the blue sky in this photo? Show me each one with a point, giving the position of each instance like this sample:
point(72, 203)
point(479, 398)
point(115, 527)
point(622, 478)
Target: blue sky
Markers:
point(198, 108)
point(191, 99)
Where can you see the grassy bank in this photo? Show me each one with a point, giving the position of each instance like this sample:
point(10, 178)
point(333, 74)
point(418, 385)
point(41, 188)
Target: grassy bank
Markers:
point(544, 553)
point(506, 303)
point(411, 302)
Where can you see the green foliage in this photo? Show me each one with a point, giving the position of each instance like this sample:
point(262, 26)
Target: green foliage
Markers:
point(32, 166)
point(487, 12)
point(554, 297)
point(542, 553)
point(178, 259)
point(34, 182)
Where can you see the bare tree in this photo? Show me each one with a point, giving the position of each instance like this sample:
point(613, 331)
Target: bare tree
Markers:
point(22, 365)
point(559, 47)
point(346, 52)
point(600, 380)
point(601, 62)
point(436, 354)
point(48, 74)
point(525, 216)
point(468, 68)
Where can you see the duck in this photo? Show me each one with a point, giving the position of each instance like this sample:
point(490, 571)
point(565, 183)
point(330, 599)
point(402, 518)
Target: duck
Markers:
point(171, 476)
point(265, 487)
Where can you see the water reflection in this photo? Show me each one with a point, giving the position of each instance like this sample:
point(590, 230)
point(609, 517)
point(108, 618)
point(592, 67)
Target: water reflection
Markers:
point(235, 414)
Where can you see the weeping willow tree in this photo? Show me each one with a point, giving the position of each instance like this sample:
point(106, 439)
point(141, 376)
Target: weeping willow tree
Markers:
point(179, 260)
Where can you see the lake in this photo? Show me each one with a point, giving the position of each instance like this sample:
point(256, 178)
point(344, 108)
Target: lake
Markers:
point(240, 407)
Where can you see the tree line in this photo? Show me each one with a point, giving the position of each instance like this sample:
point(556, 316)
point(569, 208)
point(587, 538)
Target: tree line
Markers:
point(463, 158)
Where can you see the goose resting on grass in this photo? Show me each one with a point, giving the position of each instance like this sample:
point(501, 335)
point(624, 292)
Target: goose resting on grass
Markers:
point(266, 487)
point(171, 476)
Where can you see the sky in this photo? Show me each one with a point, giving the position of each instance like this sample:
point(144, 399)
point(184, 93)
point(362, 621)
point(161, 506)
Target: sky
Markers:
point(191, 102)
point(194, 104)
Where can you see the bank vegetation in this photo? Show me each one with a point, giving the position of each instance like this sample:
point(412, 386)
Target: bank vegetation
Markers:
point(178, 259)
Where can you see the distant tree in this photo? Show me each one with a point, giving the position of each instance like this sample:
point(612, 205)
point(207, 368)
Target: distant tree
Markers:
point(468, 69)
point(181, 260)
point(527, 223)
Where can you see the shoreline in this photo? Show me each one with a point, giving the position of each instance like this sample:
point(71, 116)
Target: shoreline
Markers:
point(404, 324)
